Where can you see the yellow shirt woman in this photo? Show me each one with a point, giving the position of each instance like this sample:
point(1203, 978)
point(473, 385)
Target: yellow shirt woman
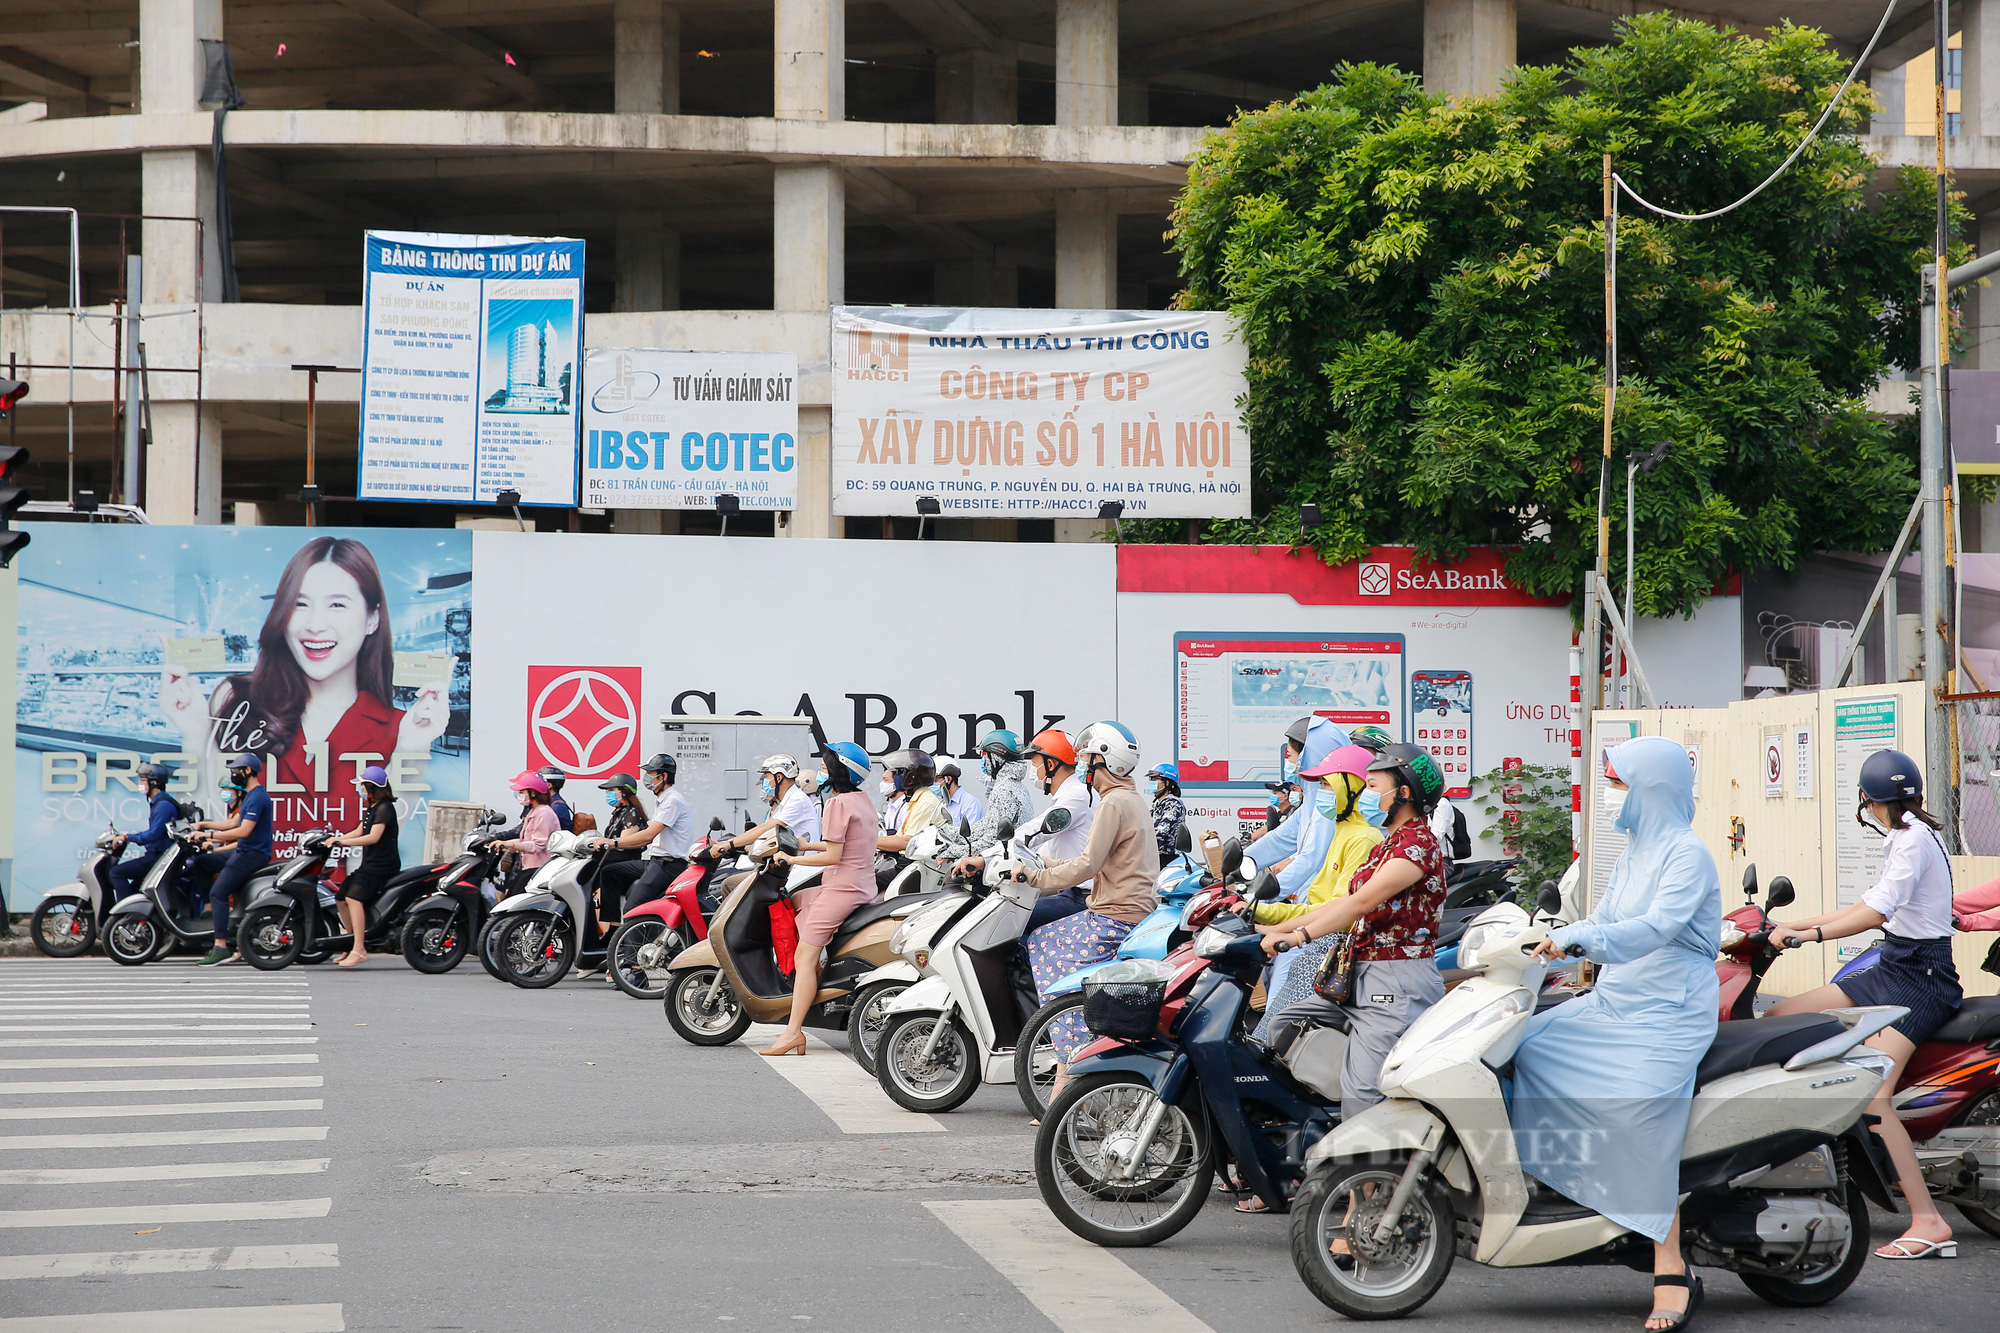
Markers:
point(1353, 838)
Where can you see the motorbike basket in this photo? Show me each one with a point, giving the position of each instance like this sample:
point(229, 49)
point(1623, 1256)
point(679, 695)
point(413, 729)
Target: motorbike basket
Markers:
point(1123, 1010)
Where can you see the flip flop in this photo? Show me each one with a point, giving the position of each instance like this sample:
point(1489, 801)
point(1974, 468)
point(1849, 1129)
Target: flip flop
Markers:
point(1253, 1204)
point(1680, 1318)
point(1916, 1247)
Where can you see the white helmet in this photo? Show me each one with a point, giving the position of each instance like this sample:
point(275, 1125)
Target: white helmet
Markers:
point(783, 765)
point(1112, 743)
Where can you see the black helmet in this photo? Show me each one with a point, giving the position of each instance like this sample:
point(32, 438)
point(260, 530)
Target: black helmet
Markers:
point(620, 782)
point(661, 763)
point(1891, 775)
point(159, 773)
point(552, 775)
point(910, 759)
point(1414, 768)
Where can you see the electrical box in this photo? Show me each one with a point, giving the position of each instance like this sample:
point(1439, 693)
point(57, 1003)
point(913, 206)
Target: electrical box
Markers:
point(720, 759)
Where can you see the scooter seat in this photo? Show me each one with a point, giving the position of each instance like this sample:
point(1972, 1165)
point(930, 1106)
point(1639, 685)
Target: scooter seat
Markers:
point(1750, 1042)
point(867, 915)
point(1978, 1019)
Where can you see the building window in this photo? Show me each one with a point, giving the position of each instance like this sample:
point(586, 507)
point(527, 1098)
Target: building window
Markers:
point(1954, 64)
point(1951, 122)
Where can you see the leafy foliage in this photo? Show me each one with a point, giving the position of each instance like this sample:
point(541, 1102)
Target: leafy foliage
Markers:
point(1529, 807)
point(1420, 283)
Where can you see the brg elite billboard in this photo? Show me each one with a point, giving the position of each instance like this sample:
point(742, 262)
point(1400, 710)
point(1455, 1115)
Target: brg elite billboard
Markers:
point(322, 649)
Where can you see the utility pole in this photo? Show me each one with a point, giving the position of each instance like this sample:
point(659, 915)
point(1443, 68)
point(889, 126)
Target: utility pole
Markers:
point(1593, 640)
point(1938, 648)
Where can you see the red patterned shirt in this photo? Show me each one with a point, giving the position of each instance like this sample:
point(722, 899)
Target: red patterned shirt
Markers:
point(1407, 925)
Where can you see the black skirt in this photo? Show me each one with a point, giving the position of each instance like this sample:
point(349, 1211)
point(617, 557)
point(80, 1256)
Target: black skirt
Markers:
point(1917, 974)
point(364, 886)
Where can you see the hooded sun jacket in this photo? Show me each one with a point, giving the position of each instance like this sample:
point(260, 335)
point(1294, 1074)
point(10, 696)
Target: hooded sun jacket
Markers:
point(1007, 802)
point(1306, 835)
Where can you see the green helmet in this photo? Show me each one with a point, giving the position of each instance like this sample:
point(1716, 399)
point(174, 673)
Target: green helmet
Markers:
point(1414, 768)
point(1371, 737)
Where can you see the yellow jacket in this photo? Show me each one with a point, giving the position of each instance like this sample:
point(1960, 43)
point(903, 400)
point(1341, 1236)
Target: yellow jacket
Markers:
point(1353, 838)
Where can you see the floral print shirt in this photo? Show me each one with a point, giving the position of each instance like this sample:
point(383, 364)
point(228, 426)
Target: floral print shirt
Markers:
point(1407, 925)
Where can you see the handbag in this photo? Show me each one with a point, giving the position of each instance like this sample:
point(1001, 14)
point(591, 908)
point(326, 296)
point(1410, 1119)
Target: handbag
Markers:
point(1334, 979)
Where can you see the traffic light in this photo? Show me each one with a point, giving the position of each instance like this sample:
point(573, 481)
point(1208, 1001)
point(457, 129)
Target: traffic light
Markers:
point(11, 392)
point(13, 461)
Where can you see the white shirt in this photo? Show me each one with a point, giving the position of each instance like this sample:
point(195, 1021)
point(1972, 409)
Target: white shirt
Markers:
point(676, 836)
point(1914, 893)
point(1075, 796)
point(801, 816)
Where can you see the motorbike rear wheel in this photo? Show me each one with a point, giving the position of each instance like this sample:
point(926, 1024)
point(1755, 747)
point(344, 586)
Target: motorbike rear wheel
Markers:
point(1383, 1279)
point(1035, 1058)
point(643, 938)
point(1076, 1150)
point(943, 1082)
point(1829, 1281)
point(1986, 1214)
point(268, 940)
point(432, 944)
point(484, 945)
point(63, 927)
point(865, 1023)
point(133, 940)
point(534, 950)
point(695, 1017)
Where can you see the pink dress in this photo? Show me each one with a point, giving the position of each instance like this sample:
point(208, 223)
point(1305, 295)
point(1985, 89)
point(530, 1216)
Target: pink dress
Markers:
point(849, 819)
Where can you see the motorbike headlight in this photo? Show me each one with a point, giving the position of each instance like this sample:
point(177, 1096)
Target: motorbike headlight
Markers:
point(292, 871)
point(1212, 941)
point(1731, 937)
point(901, 938)
point(1435, 1024)
point(1470, 943)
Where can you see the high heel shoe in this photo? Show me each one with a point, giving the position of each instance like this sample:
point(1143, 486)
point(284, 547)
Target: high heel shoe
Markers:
point(796, 1046)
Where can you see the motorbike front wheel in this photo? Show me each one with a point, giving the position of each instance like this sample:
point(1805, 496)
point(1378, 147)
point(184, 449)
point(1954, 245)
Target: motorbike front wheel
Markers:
point(485, 947)
point(63, 927)
point(268, 940)
point(1368, 1278)
point(433, 942)
point(703, 1009)
point(133, 940)
point(865, 1023)
point(1818, 1285)
point(638, 954)
point(1035, 1056)
point(534, 950)
point(942, 1081)
point(1096, 1180)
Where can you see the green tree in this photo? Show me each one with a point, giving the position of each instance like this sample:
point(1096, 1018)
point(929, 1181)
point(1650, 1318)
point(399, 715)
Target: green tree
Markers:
point(1420, 283)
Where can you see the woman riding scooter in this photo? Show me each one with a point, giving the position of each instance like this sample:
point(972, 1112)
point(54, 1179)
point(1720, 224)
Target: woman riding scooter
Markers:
point(376, 837)
point(1169, 811)
point(1007, 800)
point(538, 824)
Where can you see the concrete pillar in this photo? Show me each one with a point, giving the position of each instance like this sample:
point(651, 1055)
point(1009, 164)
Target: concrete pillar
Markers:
point(1979, 312)
point(647, 522)
point(1468, 46)
point(184, 455)
point(646, 57)
point(809, 243)
point(978, 87)
point(648, 262)
point(814, 516)
point(1086, 251)
point(811, 60)
point(1086, 62)
point(1889, 89)
point(1979, 82)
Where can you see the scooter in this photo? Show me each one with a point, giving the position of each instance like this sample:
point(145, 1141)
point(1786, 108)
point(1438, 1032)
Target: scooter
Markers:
point(66, 921)
point(735, 977)
point(297, 918)
point(443, 927)
point(162, 915)
point(1948, 1097)
point(535, 936)
point(1127, 1152)
point(653, 934)
point(1777, 1166)
point(952, 1030)
point(937, 849)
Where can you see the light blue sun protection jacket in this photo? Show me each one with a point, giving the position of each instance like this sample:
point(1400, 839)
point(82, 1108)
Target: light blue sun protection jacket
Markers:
point(1602, 1085)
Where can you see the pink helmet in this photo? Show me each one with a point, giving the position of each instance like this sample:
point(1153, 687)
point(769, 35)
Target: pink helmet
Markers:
point(529, 780)
point(1344, 759)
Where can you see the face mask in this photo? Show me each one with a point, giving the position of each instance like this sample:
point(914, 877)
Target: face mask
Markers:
point(522, 797)
point(819, 777)
point(1328, 803)
point(888, 786)
point(1614, 802)
point(1287, 767)
point(1159, 790)
point(1370, 806)
point(1866, 818)
point(611, 799)
point(769, 789)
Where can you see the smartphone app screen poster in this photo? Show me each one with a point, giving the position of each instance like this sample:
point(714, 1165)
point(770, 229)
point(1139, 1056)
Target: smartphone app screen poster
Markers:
point(1234, 695)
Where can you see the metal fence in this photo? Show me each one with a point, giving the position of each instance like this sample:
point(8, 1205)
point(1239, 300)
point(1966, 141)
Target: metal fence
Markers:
point(1972, 806)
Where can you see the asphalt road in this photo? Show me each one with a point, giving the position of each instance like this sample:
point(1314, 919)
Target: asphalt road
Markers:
point(388, 1151)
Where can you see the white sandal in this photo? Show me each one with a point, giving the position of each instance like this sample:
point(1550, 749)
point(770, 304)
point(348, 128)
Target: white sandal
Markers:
point(1916, 1247)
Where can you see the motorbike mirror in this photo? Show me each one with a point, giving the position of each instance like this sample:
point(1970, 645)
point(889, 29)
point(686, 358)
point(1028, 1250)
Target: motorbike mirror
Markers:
point(1781, 895)
point(1266, 886)
point(1549, 899)
point(1183, 840)
point(965, 828)
point(716, 825)
point(1750, 880)
point(1056, 820)
point(1006, 830)
point(1232, 857)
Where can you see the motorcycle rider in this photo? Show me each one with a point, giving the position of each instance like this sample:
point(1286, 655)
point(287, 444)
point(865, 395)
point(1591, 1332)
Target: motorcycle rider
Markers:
point(1169, 813)
point(251, 852)
point(919, 805)
point(1298, 847)
point(380, 860)
point(1007, 799)
point(1912, 905)
point(1120, 861)
point(161, 810)
point(667, 836)
point(555, 777)
point(530, 844)
point(961, 805)
point(790, 805)
point(1053, 756)
point(628, 816)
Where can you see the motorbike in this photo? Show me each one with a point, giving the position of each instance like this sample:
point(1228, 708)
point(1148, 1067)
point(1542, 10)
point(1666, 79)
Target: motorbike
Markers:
point(442, 927)
point(936, 849)
point(735, 977)
point(653, 933)
point(162, 915)
point(535, 936)
point(297, 917)
point(67, 919)
point(1777, 1166)
point(1948, 1097)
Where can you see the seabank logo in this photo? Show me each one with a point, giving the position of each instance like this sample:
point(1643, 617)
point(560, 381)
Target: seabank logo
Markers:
point(584, 720)
point(1374, 579)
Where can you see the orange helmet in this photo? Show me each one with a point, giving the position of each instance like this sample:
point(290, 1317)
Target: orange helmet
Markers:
point(1055, 744)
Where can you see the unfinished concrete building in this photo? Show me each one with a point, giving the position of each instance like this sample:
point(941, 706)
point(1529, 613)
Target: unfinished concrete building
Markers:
point(736, 167)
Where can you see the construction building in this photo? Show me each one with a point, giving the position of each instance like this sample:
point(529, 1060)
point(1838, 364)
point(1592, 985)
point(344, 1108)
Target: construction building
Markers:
point(735, 168)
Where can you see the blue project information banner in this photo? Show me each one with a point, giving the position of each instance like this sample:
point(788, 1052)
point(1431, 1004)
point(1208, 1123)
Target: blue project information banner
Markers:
point(472, 351)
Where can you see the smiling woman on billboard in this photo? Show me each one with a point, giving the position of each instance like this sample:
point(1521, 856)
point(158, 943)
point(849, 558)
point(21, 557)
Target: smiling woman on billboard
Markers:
point(324, 675)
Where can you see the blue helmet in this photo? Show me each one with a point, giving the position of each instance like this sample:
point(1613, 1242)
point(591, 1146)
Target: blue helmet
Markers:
point(852, 759)
point(247, 760)
point(1171, 772)
point(1891, 775)
point(1001, 742)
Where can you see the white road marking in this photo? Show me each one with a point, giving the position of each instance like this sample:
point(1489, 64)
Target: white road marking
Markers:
point(141, 1214)
point(1079, 1287)
point(159, 1041)
point(126, 1263)
point(154, 1108)
point(105, 1175)
point(159, 1027)
point(164, 1084)
point(834, 1083)
point(150, 1012)
point(225, 1319)
point(170, 1138)
point(155, 1061)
